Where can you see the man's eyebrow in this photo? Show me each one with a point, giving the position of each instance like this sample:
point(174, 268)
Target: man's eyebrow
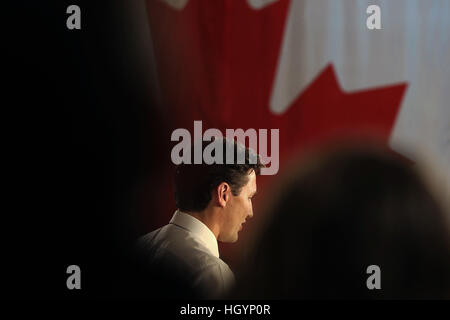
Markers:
point(254, 193)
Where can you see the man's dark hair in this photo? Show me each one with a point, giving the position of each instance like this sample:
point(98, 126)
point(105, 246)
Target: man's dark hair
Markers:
point(194, 183)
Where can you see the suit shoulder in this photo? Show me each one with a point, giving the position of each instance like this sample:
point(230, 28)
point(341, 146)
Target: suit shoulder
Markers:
point(146, 240)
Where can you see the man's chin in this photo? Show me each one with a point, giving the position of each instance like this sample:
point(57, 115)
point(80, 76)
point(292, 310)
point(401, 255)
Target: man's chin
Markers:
point(230, 239)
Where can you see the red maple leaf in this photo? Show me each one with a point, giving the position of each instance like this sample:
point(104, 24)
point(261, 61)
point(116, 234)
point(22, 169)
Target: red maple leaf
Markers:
point(216, 63)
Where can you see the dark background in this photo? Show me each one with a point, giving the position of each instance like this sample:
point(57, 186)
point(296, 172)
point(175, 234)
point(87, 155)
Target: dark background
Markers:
point(81, 128)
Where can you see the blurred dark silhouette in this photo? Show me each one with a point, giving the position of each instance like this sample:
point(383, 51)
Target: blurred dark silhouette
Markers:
point(344, 210)
point(85, 132)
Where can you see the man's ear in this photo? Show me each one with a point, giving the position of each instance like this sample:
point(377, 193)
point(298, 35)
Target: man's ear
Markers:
point(222, 194)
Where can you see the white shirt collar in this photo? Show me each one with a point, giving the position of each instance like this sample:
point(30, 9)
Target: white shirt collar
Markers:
point(198, 228)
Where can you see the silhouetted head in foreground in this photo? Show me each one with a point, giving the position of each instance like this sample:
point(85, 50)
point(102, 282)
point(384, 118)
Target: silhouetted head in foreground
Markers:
point(349, 209)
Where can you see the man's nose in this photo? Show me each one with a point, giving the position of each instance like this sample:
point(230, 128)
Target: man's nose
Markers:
point(250, 214)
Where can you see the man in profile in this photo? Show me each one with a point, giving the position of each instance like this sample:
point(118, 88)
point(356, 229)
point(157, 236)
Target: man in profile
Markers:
point(213, 201)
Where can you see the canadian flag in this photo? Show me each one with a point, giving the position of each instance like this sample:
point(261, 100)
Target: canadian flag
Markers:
point(311, 68)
